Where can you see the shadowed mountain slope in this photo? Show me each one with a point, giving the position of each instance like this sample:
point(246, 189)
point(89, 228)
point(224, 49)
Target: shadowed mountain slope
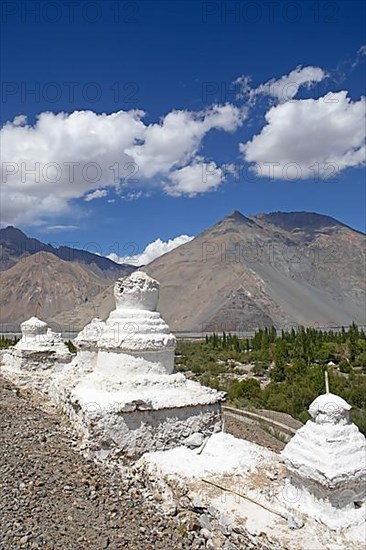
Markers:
point(44, 285)
point(15, 245)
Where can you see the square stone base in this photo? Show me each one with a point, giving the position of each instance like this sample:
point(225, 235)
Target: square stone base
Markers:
point(128, 423)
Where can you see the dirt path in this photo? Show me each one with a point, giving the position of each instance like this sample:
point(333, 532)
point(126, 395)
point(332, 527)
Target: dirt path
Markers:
point(53, 498)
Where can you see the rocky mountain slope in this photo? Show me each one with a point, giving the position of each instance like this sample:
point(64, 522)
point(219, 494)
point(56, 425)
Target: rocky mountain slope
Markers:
point(15, 245)
point(247, 272)
point(280, 268)
point(41, 284)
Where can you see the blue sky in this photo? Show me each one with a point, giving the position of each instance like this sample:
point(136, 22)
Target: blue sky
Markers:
point(163, 57)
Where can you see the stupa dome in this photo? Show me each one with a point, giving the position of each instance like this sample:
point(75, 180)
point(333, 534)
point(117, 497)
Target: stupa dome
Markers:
point(137, 291)
point(329, 408)
point(135, 328)
point(88, 337)
point(33, 327)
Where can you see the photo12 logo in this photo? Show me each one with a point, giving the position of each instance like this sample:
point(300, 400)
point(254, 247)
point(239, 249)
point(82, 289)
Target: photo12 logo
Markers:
point(70, 92)
point(69, 12)
point(229, 12)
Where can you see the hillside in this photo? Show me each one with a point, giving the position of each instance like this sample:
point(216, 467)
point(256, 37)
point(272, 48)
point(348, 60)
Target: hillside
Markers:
point(244, 273)
point(16, 245)
point(280, 268)
point(43, 284)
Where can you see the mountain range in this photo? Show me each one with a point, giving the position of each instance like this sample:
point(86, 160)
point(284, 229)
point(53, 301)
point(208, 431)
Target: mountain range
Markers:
point(15, 245)
point(286, 269)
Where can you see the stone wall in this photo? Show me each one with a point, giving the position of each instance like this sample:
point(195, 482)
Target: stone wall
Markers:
point(278, 429)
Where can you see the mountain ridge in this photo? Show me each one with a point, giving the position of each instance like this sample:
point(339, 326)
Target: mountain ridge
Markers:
point(15, 244)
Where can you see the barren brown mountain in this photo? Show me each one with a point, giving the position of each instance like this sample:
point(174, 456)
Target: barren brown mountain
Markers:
point(282, 268)
point(41, 284)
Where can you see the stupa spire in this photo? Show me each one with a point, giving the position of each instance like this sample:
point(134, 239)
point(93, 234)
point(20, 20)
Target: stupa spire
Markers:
point(326, 381)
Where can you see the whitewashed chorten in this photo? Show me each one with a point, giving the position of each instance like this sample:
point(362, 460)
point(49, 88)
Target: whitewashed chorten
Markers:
point(39, 353)
point(132, 401)
point(327, 456)
point(86, 344)
point(136, 339)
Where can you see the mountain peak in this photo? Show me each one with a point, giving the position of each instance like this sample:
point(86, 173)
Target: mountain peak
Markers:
point(237, 216)
point(16, 245)
point(12, 234)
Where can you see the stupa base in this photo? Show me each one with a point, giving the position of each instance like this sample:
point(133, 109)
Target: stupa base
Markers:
point(33, 369)
point(127, 419)
point(347, 494)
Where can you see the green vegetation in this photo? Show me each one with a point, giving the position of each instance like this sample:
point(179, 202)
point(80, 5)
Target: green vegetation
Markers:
point(286, 370)
point(71, 346)
point(7, 342)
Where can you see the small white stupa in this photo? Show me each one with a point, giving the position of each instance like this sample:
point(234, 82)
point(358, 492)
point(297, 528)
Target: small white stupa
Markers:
point(86, 344)
point(37, 356)
point(132, 402)
point(327, 456)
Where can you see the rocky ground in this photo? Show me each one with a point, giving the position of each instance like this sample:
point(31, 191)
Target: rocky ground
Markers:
point(53, 498)
point(253, 433)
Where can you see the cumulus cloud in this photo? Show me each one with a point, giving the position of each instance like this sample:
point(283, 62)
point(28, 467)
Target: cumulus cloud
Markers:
point(284, 88)
point(69, 156)
point(307, 138)
point(97, 194)
point(177, 138)
point(152, 251)
point(198, 177)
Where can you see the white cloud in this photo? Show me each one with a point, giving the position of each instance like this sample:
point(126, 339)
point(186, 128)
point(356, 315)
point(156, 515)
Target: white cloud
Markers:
point(359, 56)
point(176, 139)
point(152, 251)
point(287, 86)
point(284, 88)
point(198, 177)
point(67, 156)
point(303, 136)
point(97, 194)
point(58, 228)
point(20, 120)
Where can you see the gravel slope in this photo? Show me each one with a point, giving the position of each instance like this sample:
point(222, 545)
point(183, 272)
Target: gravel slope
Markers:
point(53, 498)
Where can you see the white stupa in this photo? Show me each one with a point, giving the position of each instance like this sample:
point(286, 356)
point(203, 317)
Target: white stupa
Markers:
point(34, 335)
point(136, 339)
point(86, 344)
point(37, 356)
point(132, 402)
point(327, 456)
point(38, 337)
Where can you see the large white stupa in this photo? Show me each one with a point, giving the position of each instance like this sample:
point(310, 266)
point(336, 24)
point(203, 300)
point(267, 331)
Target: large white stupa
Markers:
point(327, 456)
point(131, 401)
point(136, 339)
